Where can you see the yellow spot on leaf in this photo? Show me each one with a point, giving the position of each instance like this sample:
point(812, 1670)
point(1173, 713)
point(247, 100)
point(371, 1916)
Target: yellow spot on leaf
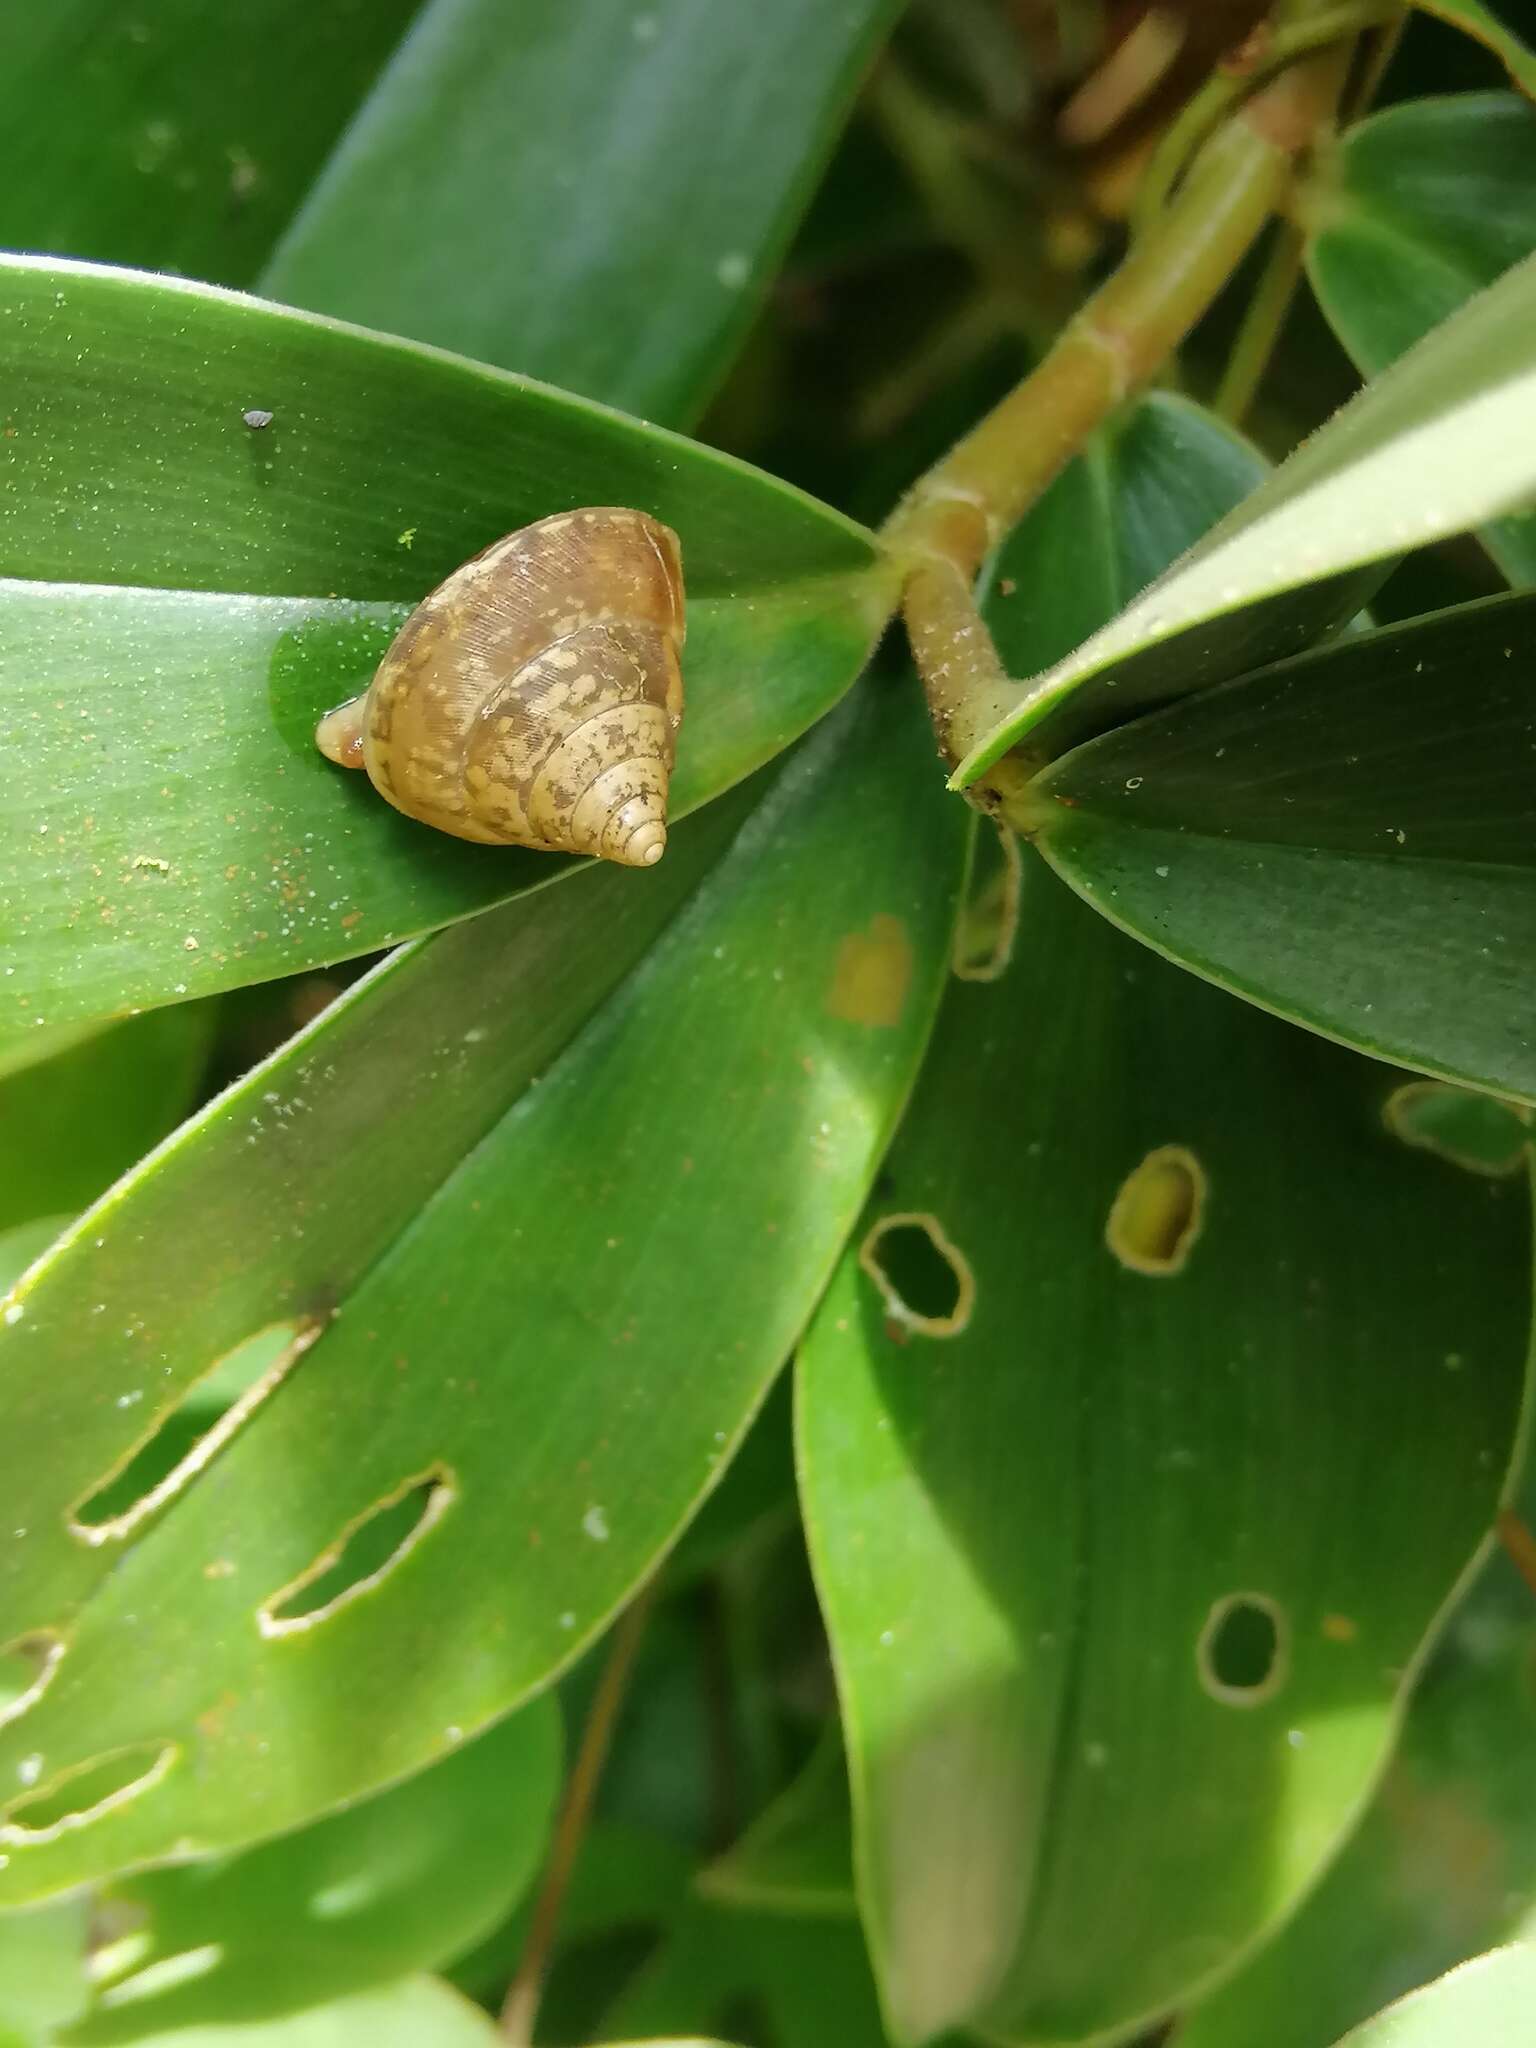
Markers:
point(872, 975)
point(1157, 1214)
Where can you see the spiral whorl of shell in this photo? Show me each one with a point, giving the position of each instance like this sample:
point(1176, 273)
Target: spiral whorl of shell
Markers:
point(534, 697)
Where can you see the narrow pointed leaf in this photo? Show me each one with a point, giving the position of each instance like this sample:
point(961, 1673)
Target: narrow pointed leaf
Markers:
point(559, 1351)
point(171, 828)
point(1443, 1864)
point(1346, 839)
point(1489, 2002)
point(1426, 204)
point(1028, 1535)
point(418, 2013)
point(590, 102)
point(1440, 442)
point(404, 1881)
point(1020, 1530)
point(153, 134)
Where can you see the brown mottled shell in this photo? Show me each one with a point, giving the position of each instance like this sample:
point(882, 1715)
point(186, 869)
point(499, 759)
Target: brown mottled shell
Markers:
point(533, 699)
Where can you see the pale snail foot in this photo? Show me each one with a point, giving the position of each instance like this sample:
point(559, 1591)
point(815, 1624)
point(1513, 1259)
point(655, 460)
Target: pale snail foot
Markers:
point(339, 735)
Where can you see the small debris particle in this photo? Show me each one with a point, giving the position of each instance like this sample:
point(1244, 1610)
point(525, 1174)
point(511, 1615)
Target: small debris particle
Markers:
point(14, 1312)
point(257, 418)
point(190, 942)
point(594, 1523)
point(149, 860)
point(406, 538)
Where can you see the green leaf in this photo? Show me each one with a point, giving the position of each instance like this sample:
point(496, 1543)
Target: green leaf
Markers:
point(1345, 838)
point(1442, 1865)
point(71, 1125)
point(1440, 442)
point(418, 2013)
point(153, 135)
point(42, 1972)
point(1021, 1530)
point(797, 1856)
point(1489, 2002)
point(626, 1881)
point(405, 1881)
point(20, 1245)
point(1484, 26)
point(508, 1325)
point(385, 464)
point(1069, 1556)
point(163, 739)
point(1425, 205)
point(680, 139)
point(785, 1982)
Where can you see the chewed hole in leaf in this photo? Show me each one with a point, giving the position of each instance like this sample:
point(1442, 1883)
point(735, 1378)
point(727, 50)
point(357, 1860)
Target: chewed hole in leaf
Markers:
point(1476, 1132)
point(27, 1665)
point(924, 1278)
point(1157, 1212)
point(186, 1438)
point(86, 1792)
point(989, 917)
point(1243, 1654)
point(371, 1546)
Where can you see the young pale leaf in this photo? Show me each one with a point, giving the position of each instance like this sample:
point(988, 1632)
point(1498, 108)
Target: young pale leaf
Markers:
point(1348, 839)
point(171, 828)
point(1442, 441)
point(1442, 1865)
point(418, 2013)
point(679, 136)
point(404, 1881)
point(1484, 26)
point(1425, 205)
point(1065, 1475)
point(155, 134)
point(1489, 2002)
point(512, 1337)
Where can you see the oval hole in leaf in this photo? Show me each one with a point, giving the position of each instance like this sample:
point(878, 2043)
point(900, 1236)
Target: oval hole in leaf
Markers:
point(87, 1791)
point(187, 1437)
point(27, 1663)
point(1243, 1654)
point(1477, 1132)
point(365, 1553)
point(1157, 1213)
point(925, 1279)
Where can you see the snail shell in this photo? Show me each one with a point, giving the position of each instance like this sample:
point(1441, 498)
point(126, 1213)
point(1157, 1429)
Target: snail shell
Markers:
point(533, 699)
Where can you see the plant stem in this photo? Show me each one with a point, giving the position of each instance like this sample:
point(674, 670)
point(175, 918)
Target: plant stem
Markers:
point(1332, 24)
point(521, 2005)
point(1262, 324)
point(955, 515)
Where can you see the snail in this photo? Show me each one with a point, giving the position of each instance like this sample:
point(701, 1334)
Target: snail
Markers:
point(534, 697)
